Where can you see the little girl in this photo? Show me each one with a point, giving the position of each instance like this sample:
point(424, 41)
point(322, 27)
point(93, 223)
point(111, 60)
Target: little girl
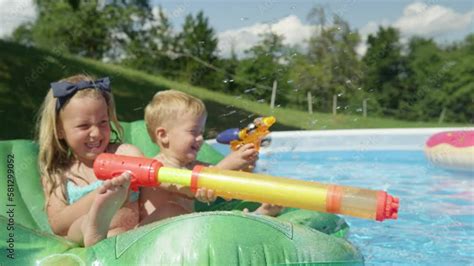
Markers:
point(75, 125)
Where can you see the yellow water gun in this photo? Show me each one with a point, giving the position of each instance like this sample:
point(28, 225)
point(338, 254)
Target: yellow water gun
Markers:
point(359, 202)
point(253, 133)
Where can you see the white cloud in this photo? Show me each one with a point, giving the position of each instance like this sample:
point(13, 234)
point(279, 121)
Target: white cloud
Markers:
point(423, 20)
point(417, 18)
point(290, 27)
point(429, 21)
point(13, 13)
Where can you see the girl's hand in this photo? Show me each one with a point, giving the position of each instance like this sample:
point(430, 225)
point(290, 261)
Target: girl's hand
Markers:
point(205, 195)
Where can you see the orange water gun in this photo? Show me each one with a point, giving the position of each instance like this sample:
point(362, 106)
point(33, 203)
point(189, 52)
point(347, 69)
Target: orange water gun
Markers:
point(358, 202)
point(253, 133)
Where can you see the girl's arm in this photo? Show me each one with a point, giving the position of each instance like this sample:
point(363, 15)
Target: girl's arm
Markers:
point(61, 216)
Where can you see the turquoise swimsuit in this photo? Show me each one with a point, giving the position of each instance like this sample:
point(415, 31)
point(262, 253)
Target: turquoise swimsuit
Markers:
point(76, 192)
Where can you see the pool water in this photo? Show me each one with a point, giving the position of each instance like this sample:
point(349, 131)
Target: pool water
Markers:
point(436, 216)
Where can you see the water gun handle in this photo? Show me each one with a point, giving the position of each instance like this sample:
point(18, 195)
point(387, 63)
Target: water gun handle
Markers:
point(358, 202)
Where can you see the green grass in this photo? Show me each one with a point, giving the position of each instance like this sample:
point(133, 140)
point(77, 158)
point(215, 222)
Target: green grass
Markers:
point(25, 74)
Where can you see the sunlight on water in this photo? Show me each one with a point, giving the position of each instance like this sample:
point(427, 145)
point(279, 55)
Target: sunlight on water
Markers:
point(436, 219)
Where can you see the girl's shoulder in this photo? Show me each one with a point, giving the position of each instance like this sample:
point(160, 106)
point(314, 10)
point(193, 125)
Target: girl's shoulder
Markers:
point(125, 149)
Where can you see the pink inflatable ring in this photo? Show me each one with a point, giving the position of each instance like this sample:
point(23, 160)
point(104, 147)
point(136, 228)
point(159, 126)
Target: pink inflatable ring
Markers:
point(453, 150)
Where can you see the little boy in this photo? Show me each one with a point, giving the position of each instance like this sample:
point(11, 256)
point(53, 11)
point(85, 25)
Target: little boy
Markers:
point(175, 122)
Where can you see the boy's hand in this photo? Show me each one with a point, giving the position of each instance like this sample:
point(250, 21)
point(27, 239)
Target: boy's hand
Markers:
point(244, 157)
point(205, 195)
point(267, 209)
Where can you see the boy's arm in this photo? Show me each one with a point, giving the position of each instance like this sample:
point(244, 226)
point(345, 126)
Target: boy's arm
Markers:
point(241, 159)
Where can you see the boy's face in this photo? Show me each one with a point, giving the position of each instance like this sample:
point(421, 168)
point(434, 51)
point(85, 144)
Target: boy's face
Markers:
point(185, 137)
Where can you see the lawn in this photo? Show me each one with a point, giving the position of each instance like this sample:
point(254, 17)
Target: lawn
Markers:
point(25, 74)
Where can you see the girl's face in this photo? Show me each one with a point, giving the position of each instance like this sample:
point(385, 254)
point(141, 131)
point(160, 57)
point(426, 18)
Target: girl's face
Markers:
point(85, 127)
point(185, 137)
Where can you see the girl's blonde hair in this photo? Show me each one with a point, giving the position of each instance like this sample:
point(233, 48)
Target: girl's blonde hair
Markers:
point(167, 106)
point(54, 156)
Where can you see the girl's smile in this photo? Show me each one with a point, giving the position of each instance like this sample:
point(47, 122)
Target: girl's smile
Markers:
point(85, 127)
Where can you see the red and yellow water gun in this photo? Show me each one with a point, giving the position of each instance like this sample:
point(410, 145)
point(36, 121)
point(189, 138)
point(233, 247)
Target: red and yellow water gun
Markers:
point(358, 202)
point(253, 133)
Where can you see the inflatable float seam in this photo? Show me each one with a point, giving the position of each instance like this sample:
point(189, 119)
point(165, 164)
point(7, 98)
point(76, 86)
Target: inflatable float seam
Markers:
point(122, 243)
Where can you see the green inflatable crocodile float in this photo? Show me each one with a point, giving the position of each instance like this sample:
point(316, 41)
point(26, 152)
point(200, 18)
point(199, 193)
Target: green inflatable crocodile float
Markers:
point(219, 234)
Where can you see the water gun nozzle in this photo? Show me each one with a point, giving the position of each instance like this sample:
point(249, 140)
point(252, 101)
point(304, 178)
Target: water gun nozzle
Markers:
point(387, 207)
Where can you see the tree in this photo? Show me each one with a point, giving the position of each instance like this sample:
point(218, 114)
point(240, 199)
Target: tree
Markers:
point(87, 28)
point(421, 99)
point(197, 46)
point(459, 84)
point(265, 63)
point(331, 65)
point(230, 66)
point(385, 70)
point(83, 27)
point(150, 46)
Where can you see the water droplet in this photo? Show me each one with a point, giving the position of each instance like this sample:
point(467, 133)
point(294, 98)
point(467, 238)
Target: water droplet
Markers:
point(289, 81)
point(229, 113)
point(244, 18)
point(348, 81)
point(340, 94)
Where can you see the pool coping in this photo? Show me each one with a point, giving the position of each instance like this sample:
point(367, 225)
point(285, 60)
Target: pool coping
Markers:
point(404, 139)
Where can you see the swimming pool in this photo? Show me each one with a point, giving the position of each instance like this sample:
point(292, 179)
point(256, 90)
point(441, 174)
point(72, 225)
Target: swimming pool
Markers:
point(436, 218)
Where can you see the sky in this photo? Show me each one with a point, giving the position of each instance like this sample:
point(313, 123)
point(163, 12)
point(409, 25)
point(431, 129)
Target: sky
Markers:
point(239, 23)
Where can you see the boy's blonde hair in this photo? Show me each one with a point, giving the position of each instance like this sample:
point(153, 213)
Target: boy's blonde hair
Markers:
point(167, 106)
point(54, 156)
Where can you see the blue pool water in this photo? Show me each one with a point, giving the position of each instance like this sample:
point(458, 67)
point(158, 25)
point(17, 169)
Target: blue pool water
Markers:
point(436, 217)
